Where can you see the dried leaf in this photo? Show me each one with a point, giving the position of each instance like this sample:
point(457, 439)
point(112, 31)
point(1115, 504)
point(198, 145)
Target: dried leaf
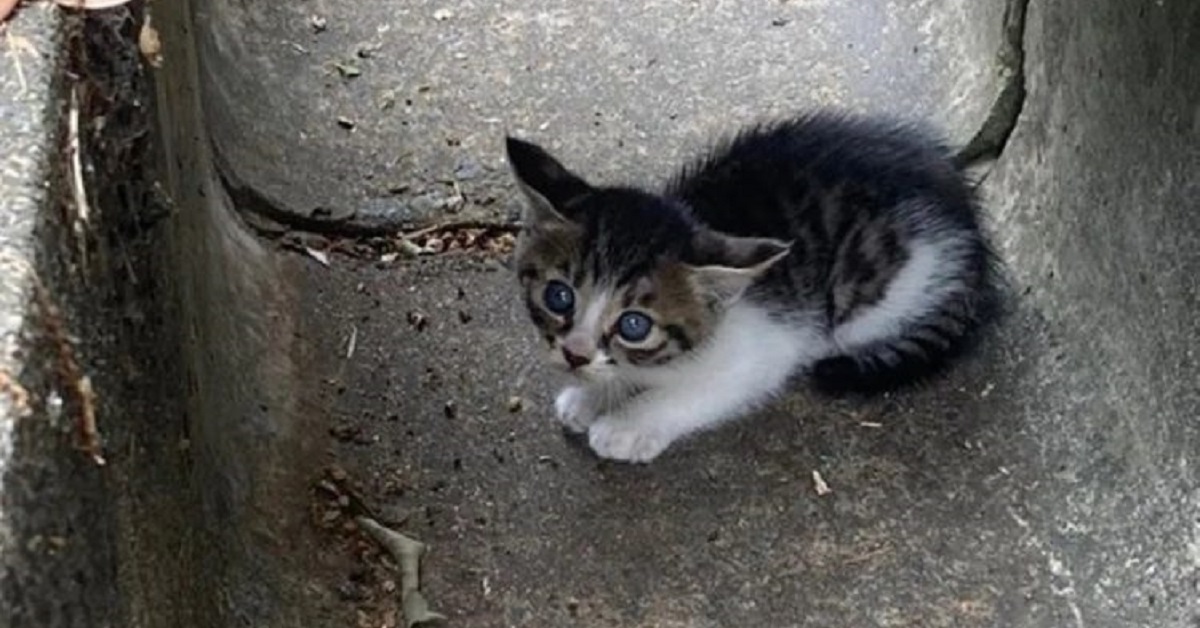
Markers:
point(416, 610)
point(407, 552)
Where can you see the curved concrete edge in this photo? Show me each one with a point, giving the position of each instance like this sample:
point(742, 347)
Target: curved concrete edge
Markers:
point(29, 54)
point(251, 444)
point(272, 94)
point(1095, 196)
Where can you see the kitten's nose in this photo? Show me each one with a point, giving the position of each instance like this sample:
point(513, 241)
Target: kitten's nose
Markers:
point(574, 360)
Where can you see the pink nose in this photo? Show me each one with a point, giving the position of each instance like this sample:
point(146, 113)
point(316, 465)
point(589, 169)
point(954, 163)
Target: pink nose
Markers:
point(574, 360)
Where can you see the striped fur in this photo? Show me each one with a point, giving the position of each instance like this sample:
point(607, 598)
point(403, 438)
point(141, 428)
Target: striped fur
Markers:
point(843, 249)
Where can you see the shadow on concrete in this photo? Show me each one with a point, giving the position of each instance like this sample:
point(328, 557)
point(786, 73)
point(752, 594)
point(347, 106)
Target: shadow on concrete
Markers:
point(1050, 481)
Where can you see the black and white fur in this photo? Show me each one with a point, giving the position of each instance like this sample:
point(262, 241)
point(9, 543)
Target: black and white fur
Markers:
point(843, 249)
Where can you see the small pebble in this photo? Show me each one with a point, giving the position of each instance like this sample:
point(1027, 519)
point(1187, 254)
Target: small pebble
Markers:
point(418, 320)
point(515, 404)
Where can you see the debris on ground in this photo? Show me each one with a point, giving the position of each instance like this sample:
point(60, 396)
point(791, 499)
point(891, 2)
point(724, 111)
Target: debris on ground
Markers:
point(149, 44)
point(515, 404)
point(387, 100)
point(71, 377)
point(338, 501)
point(418, 320)
point(18, 396)
point(347, 70)
point(495, 238)
point(407, 552)
point(368, 49)
point(352, 342)
point(819, 484)
point(468, 236)
point(320, 256)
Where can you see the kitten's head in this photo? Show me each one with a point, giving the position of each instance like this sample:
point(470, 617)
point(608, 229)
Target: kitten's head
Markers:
point(617, 279)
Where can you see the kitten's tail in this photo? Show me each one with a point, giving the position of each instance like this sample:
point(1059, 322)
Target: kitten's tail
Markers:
point(918, 353)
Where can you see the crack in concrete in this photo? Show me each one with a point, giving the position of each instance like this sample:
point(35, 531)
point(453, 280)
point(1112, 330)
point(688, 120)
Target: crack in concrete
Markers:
point(992, 137)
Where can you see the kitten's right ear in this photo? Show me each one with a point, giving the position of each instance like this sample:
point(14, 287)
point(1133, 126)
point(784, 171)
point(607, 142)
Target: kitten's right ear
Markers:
point(549, 186)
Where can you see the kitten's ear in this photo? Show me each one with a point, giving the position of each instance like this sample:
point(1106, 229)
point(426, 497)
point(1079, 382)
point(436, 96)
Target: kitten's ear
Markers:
point(724, 266)
point(549, 186)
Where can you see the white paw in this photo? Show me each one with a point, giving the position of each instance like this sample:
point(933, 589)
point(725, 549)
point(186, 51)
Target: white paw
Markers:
point(626, 440)
point(574, 409)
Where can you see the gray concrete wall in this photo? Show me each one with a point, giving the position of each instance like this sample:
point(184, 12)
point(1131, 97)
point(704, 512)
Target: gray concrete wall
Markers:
point(191, 329)
point(1096, 199)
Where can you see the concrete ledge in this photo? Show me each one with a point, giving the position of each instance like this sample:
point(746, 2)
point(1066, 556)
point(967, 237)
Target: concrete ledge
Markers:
point(1053, 482)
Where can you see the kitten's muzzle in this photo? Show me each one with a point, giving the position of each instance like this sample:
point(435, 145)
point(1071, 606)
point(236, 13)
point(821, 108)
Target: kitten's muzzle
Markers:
point(574, 360)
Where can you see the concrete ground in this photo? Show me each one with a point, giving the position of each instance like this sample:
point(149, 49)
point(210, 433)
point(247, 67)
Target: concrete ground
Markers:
point(1049, 481)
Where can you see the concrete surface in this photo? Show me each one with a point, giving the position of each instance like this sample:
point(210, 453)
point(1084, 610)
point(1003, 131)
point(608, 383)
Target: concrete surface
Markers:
point(431, 86)
point(1050, 481)
point(57, 550)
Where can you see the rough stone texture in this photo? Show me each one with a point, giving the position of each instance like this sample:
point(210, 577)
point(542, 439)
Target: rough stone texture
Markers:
point(1050, 481)
point(629, 89)
point(1095, 200)
point(56, 546)
point(25, 97)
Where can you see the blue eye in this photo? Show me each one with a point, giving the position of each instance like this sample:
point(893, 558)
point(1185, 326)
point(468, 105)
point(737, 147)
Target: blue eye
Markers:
point(558, 297)
point(634, 326)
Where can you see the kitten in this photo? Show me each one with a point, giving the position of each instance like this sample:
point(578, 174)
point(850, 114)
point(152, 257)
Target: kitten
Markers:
point(842, 249)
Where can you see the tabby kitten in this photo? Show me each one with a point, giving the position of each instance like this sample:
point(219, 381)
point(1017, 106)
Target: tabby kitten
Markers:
point(843, 249)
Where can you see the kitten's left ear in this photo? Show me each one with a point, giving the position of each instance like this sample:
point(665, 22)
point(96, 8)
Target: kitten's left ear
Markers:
point(549, 186)
point(725, 266)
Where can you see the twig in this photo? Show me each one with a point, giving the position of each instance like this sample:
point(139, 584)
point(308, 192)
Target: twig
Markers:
point(78, 190)
point(352, 342)
point(71, 376)
point(407, 552)
point(15, 46)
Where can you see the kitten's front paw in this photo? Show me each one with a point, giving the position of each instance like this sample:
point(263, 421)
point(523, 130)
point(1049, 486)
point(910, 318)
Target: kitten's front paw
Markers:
point(574, 409)
point(626, 440)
